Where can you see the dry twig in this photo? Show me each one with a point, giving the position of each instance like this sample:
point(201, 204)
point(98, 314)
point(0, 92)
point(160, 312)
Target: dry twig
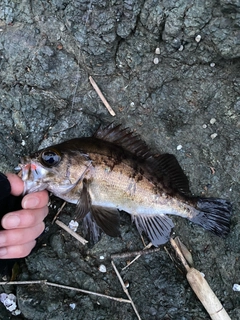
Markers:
point(74, 234)
point(125, 289)
point(59, 210)
point(101, 96)
point(45, 282)
point(137, 257)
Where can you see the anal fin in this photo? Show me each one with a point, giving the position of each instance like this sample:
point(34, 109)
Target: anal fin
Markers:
point(156, 227)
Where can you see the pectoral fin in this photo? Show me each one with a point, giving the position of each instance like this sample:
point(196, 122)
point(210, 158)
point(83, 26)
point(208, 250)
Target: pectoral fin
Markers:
point(157, 228)
point(96, 218)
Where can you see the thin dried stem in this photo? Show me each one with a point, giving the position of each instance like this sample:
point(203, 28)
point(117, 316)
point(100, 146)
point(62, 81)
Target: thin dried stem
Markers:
point(137, 257)
point(72, 233)
point(101, 96)
point(45, 282)
point(125, 289)
point(59, 210)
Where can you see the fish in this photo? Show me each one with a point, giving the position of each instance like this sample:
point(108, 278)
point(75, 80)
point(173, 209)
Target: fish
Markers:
point(114, 171)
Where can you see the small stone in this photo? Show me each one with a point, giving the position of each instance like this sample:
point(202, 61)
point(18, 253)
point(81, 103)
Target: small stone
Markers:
point(198, 38)
point(181, 48)
point(212, 64)
point(157, 51)
point(23, 143)
point(179, 147)
point(204, 126)
point(73, 225)
point(101, 257)
point(72, 306)
point(214, 135)
point(155, 60)
point(102, 268)
point(213, 120)
point(236, 287)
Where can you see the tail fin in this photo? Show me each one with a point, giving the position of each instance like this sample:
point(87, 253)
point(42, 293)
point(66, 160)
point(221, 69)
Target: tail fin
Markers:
point(214, 215)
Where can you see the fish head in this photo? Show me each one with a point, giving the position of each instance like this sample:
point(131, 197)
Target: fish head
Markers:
point(53, 169)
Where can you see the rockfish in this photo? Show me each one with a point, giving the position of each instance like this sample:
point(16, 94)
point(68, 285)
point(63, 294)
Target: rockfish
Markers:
point(115, 170)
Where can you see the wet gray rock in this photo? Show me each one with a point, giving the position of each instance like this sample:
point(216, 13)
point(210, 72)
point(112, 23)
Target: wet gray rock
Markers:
point(185, 95)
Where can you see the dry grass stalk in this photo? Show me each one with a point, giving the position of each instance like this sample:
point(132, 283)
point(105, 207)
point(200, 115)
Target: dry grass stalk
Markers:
point(125, 289)
point(138, 256)
point(59, 210)
point(101, 96)
point(72, 233)
point(45, 282)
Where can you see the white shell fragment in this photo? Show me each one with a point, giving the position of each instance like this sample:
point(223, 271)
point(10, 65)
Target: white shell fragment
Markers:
point(198, 38)
point(72, 306)
point(179, 147)
point(155, 60)
point(181, 48)
point(213, 120)
point(10, 302)
point(73, 225)
point(157, 51)
point(102, 268)
point(214, 135)
point(236, 287)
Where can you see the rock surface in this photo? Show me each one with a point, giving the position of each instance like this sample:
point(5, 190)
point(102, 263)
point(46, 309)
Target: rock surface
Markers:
point(186, 93)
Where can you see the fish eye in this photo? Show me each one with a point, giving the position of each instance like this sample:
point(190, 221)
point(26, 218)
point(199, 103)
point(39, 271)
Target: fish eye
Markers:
point(50, 158)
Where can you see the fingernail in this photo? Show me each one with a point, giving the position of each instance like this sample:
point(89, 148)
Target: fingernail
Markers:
point(30, 202)
point(3, 252)
point(11, 221)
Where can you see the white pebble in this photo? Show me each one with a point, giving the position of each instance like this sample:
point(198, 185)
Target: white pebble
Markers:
point(236, 287)
point(157, 51)
point(73, 225)
point(212, 64)
point(101, 257)
point(214, 135)
point(179, 147)
point(16, 312)
point(155, 60)
point(102, 268)
point(204, 126)
point(132, 104)
point(213, 120)
point(181, 48)
point(72, 306)
point(198, 38)
point(23, 143)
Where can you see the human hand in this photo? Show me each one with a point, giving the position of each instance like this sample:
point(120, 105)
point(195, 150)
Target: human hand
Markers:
point(22, 227)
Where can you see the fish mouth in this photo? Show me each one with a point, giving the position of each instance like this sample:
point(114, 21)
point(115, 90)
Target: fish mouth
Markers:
point(32, 175)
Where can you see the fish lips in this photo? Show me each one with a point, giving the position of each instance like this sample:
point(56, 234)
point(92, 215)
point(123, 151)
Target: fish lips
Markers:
point(33, 175)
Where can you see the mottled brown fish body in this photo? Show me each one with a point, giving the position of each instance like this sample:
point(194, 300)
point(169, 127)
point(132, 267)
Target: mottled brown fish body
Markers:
point(115, 170)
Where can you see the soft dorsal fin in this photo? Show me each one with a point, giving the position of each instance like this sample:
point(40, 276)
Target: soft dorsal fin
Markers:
point(168, 170)
point(124, 138)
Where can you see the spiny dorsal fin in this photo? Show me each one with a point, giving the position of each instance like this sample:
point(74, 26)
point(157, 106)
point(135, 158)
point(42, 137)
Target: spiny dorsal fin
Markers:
point(165, 166)
point(124, 138)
